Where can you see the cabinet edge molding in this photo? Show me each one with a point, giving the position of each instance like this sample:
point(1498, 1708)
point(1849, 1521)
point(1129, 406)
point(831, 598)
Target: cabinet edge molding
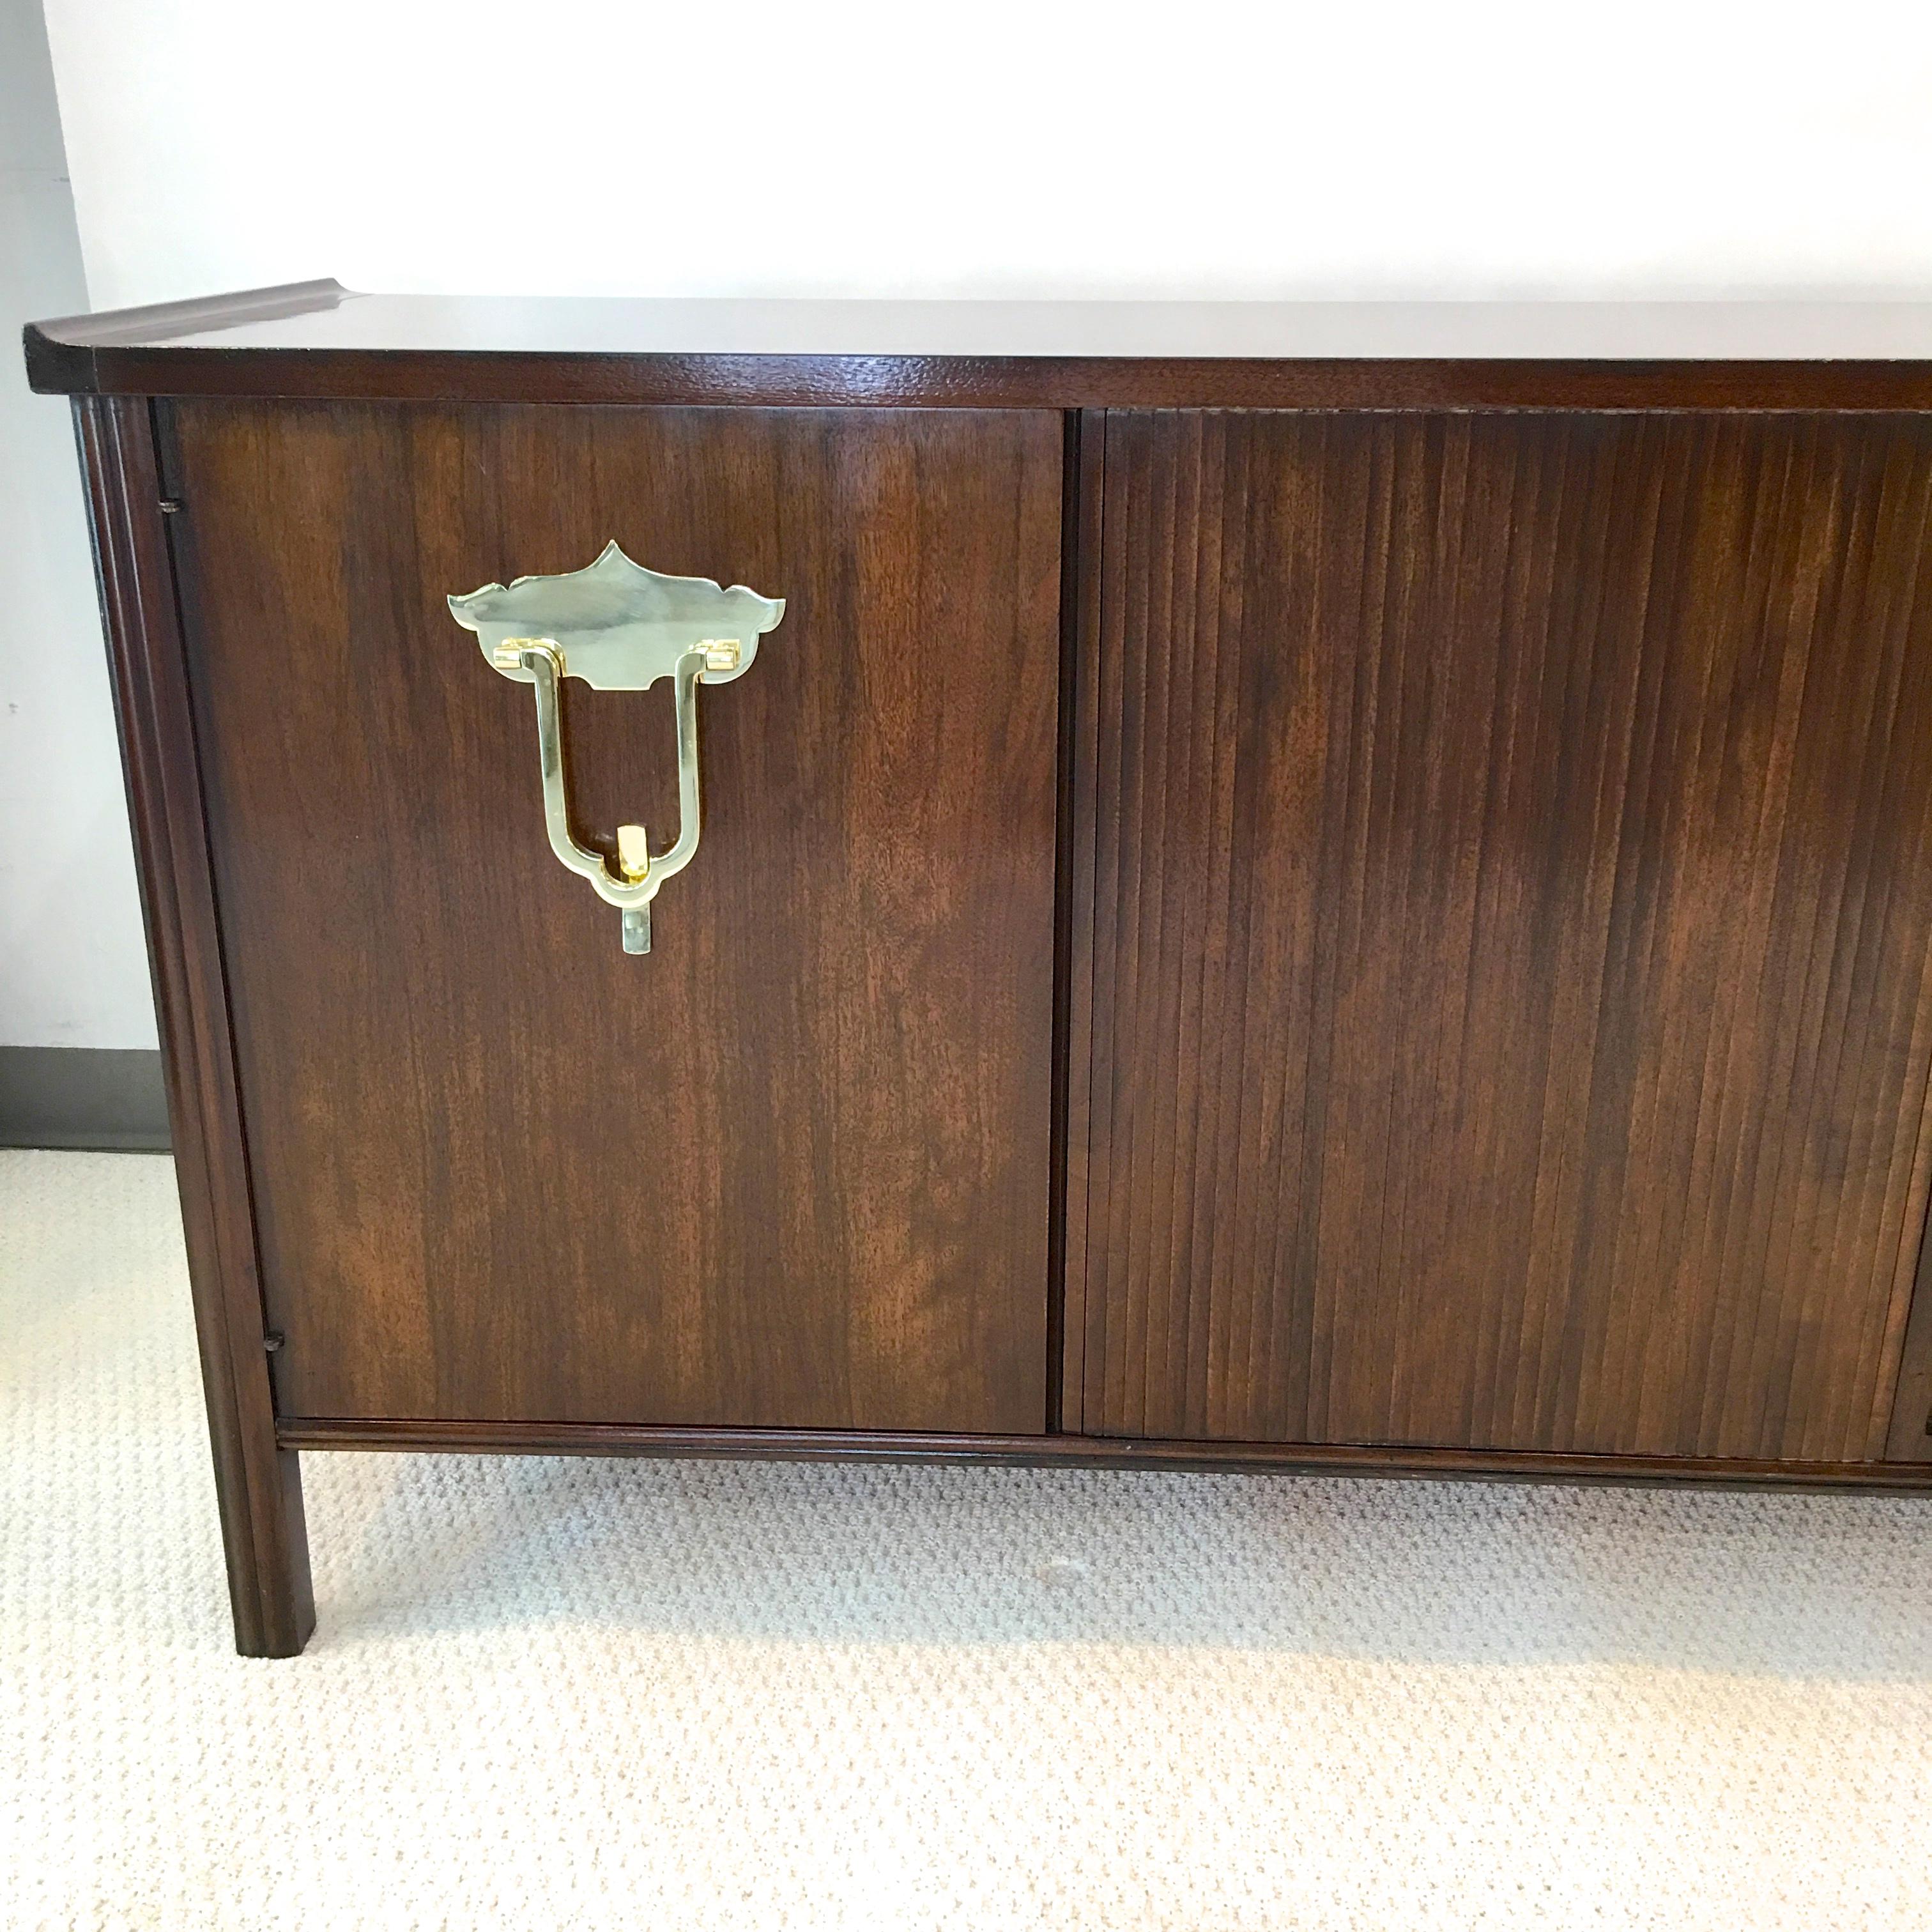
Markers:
point(257, 1483)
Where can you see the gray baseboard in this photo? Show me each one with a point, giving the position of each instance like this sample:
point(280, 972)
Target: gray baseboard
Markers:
point(82, 1096)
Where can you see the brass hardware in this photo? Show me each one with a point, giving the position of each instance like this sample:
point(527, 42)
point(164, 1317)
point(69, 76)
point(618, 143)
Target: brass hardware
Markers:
point(633, 854)
point(618, 627)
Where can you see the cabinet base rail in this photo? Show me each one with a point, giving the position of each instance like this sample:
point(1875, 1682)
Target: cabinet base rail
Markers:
point(612, 1438)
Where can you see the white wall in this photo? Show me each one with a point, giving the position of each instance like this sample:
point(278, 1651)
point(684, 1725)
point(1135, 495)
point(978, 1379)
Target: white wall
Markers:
point(73, 971)
point(1014, 146)
point(1662, 147)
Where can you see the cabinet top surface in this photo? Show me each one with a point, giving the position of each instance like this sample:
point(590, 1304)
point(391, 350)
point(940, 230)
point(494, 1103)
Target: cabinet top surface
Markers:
point(317, 339)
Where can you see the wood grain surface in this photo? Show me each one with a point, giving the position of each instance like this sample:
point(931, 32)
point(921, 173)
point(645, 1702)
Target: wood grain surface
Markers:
point(1510, 907)
point(791, 1168)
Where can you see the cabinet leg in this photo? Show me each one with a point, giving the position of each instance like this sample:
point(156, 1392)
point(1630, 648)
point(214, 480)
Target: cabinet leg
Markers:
point(268, 1585)
point(257, 1483)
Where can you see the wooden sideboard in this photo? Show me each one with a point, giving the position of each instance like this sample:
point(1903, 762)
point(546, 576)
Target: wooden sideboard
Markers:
point(1330, 885)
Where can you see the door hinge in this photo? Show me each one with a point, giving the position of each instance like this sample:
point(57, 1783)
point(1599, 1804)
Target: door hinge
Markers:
point(272, 1340)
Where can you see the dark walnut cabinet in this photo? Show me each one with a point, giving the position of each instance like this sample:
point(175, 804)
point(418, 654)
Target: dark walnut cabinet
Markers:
point(1316, 886)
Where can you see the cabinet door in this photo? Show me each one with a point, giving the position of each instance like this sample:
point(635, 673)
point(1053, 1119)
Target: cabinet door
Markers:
point(790, 1167)
point(1503, 1007)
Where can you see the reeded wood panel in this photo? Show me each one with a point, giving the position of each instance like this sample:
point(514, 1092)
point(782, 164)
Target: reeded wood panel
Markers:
point(789, 1168)
point(1508, 951)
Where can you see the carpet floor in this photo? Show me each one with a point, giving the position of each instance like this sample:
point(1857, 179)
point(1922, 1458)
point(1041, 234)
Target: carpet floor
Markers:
point(557, 1694)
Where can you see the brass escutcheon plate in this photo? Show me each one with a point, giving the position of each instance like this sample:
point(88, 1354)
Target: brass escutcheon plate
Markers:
point(619, 627)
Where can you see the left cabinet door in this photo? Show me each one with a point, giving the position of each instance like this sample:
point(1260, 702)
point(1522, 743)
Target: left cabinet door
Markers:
point(789, 1168)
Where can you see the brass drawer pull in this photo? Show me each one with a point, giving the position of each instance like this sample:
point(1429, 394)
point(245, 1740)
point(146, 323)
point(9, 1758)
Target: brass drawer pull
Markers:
point(619, 627)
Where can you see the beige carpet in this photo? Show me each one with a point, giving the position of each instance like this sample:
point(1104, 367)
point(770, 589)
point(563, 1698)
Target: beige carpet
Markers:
point(562, 1694)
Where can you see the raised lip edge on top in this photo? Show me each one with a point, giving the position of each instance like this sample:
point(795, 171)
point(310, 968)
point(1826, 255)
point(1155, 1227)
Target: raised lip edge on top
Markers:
point(127, 351)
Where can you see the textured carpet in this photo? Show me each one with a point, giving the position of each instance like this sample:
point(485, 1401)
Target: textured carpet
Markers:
point(562, 1694)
